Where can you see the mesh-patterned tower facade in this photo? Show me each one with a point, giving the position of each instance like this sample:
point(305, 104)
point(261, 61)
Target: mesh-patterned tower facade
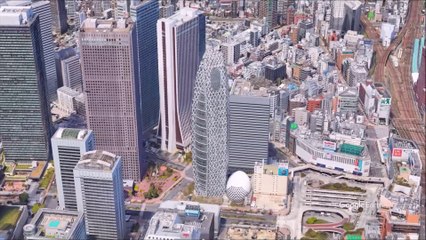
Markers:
point(210, 126)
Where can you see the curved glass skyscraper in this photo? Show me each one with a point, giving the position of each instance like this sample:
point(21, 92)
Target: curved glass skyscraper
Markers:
point(210, 126)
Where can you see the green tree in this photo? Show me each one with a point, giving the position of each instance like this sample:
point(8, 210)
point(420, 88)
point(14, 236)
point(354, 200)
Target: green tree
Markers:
point(23, 198)
point(311, 220)
point(153, 192)
point(36, 207)
point(348, 226)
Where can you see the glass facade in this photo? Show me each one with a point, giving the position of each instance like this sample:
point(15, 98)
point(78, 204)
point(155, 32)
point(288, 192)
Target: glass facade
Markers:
point(24, 113)
point(145, 16)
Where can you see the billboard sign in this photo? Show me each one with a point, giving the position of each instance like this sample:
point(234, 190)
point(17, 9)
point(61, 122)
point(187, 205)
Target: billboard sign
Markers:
point(282, 169)
point(397, 152)
point(385, 101)
point(329, 145)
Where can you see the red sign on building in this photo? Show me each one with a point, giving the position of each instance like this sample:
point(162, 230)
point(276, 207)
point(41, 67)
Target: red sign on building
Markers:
point(397, 152)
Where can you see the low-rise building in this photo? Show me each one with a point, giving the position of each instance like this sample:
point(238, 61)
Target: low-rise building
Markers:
point(55, 224)
point(184, 220)
point(270, 179)
point(343, 157)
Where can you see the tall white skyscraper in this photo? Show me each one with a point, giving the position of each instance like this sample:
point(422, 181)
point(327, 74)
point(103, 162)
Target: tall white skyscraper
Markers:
point(181, 44)
point(337, 14)
point(99, 191)
point(210, 126)
point(68, 145)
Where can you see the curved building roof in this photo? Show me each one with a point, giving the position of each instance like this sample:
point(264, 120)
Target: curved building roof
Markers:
point(239, 179)
point(97, 160)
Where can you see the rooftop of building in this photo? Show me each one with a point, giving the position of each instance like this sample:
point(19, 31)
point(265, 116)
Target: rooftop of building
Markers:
point(183, 15)
point(255, 87)
point(55, 224)
point(353, 4)
point(97, 160)
point(9, 216)
point(404, 205)
point(71, 133)
point(187, 224)
point(68, 91)
point(343, 146)
point(276, 168)
point(100, 25)
point(403, 143)
point(213, 208)
point(15, 15)
point(349, 92)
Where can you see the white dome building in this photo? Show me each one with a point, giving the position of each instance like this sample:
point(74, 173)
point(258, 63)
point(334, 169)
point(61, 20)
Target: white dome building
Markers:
point(238, 186)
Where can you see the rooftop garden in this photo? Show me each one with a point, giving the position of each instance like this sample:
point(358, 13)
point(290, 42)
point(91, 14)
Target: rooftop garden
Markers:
point(23, 167)
point(47, 178)
point(36, 173)
point(342, 187)
point(313, 235)
point(8, 217)
point(401, 181)
point(314, 220)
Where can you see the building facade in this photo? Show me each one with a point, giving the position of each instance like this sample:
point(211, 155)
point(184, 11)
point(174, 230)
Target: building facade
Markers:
point(42, 9)
point(71, 73)
point(268, 10)
point(248, 131)
point(111, 83)
point(231, 51)
point(59, 16)
point(210, 126)
point(24, 113)
point(181, 45)
point(68, 145)
point(99, 191)
point(145, 16)
point(345, 157)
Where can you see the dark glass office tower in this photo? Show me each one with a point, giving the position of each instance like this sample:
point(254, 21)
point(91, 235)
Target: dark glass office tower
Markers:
point(145, 16)
point(24, 112)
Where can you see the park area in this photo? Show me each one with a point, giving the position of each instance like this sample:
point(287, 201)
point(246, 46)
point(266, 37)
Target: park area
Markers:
point(158, 179)
point(14, 186)
point(8, 217)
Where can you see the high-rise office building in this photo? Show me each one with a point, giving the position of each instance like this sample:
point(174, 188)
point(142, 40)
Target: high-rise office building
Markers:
point(268, 9)
point(99, 191)
point(145, 16)
point(110, 78)
point(248, 128)
point(71, 73)
point(282, 10)
point(59, 16)
point(71, 7)
point(231, 51)
point(181, 45)
point(122, 9)
point(352, 19)
point(68, 145)
point(42, 9)
point(24, 111)
point(99, 6)
point(210, 126)
point(345, 15)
